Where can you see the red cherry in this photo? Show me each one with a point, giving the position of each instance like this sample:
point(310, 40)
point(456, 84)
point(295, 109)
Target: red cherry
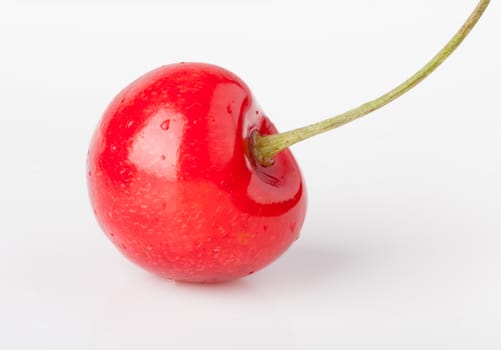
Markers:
point(174, 186)
point(190, 179)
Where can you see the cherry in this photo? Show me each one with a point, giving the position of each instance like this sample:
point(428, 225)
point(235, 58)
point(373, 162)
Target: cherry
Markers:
point(173, 183)
point(190, 179)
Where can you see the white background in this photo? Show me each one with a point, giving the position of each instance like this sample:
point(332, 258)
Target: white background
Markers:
point(401, 248)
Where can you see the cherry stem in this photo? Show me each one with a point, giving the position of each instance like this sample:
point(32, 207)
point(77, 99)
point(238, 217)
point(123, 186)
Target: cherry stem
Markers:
point(266, 147)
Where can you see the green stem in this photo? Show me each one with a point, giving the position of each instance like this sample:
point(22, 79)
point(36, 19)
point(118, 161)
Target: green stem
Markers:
point(266, 147)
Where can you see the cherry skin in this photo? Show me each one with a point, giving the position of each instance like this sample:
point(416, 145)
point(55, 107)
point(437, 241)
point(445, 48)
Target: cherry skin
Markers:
point(174, 185)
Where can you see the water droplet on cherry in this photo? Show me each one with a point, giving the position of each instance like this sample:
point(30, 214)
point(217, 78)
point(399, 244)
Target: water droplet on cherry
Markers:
point(165, 125)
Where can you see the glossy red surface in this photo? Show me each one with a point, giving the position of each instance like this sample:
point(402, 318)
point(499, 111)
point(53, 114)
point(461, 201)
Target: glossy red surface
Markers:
point(173, 186)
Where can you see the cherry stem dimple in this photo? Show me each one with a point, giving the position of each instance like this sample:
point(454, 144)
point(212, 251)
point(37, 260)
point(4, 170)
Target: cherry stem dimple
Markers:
point(266, 147)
